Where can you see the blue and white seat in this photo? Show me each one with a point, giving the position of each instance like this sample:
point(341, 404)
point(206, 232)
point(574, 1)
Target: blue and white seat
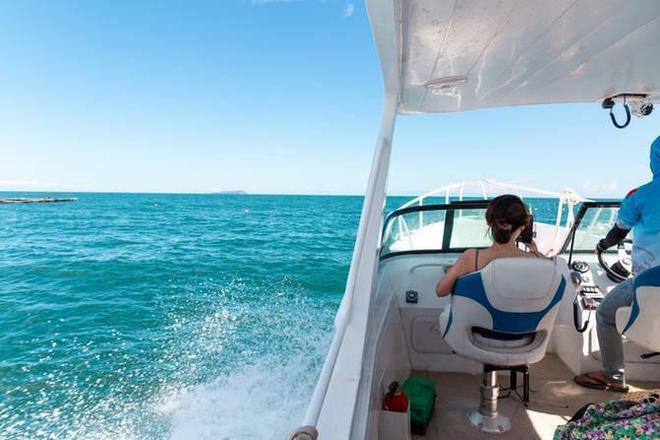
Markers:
point(502, 316)
point(640, 322)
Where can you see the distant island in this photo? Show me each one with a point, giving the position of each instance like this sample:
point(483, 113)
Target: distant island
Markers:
point(12, 200)
point(231, 192)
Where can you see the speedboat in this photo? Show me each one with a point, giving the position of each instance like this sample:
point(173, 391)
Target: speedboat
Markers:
point(440, 56)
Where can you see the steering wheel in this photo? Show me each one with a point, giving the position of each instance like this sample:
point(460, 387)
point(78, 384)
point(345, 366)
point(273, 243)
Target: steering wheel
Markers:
point(622, 269)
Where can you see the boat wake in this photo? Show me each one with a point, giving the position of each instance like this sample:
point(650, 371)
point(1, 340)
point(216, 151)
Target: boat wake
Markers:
point(261, 401)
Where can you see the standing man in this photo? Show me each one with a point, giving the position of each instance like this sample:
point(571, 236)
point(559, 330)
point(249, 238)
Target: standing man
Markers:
point(640, 212)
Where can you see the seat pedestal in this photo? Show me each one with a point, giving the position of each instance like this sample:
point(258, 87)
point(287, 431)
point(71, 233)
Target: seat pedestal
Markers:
point(486, 417)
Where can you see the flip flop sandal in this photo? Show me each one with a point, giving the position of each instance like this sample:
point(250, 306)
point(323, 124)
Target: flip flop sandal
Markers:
point(588, 381)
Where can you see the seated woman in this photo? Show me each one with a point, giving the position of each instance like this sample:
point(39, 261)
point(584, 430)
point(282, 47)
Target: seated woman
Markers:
point(507, 217)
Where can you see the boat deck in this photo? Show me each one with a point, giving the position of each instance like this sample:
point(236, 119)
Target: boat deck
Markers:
point(554, 398)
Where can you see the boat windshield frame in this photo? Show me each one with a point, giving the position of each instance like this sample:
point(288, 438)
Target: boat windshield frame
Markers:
point(585, 206)
point(450, 209)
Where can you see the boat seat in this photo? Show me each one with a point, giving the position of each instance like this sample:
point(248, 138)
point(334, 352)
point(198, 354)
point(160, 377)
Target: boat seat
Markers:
point(641, 321)
point(502, 316)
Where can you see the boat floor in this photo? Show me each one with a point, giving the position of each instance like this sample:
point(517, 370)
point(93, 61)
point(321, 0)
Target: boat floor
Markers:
point(554, 399)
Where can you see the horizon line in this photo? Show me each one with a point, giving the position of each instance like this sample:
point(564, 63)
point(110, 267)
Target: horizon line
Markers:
point(205, 193)
point(245, 193)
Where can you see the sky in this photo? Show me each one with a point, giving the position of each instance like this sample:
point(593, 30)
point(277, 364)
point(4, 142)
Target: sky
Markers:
point(265, 96)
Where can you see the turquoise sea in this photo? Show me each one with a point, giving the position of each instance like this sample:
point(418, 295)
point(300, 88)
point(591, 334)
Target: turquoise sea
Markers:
point(146, 316)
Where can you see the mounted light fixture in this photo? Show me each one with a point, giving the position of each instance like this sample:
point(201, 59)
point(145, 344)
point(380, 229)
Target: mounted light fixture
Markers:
point(440, 86)
point(639, 104)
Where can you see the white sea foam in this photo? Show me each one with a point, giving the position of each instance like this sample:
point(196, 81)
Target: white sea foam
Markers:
point(262, 401)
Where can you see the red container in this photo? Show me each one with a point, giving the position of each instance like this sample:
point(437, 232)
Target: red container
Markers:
point(395, 400)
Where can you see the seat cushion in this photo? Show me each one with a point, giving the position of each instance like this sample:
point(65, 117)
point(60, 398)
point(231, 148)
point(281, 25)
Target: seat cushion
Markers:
point(515, 313)
point(514, 296)
point(622, 318)
point(643, 326)
point(521, 284)
point(488, 339)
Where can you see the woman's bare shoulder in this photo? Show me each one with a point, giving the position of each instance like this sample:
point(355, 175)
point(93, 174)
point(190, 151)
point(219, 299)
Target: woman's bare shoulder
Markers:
point(468, 256)
point(463, 262)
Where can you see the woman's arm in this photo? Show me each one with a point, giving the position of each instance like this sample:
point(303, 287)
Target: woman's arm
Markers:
point(460, 268)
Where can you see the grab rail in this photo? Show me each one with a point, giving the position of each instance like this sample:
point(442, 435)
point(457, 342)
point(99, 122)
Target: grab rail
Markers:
point(363, 260)
point(482, 184)
point(567, 198)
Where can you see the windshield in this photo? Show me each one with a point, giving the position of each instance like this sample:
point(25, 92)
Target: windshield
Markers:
point(593, 222)
point(436, 228)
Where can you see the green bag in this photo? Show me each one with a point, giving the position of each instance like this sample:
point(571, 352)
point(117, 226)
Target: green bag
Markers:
point(421, 401)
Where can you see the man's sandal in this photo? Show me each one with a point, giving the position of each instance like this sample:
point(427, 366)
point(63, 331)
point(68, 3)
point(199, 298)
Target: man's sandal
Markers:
point(591, 380)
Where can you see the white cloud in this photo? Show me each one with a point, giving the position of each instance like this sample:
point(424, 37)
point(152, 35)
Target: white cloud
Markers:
point(612, 186)
point(349, 9)
point(347, 12)
point(268, 2)
point(609, 188)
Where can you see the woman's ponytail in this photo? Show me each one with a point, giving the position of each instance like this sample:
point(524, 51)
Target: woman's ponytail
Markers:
point(504, 215)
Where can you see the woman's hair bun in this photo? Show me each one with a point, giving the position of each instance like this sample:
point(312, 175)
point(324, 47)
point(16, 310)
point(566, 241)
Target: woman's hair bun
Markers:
point(504, 215)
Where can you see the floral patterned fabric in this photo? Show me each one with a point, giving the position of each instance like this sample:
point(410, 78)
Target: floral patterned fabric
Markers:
point(615, 419)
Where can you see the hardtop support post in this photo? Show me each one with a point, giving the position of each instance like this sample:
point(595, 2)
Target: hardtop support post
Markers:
point(343, 373)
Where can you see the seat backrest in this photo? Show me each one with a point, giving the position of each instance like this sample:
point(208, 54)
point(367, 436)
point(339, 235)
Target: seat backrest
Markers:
point(504, 313)
point(643, 326)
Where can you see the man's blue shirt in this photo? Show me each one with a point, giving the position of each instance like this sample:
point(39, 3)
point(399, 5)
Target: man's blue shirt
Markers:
point(640, 211)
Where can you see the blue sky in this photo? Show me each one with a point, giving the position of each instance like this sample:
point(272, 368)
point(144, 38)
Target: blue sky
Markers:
point(266, 96)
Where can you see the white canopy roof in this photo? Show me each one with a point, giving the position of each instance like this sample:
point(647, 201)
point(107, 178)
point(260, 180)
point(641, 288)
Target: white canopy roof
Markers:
point(455, 55)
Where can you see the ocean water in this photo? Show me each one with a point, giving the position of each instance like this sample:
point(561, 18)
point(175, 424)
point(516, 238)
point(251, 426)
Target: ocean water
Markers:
point(145, 316)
